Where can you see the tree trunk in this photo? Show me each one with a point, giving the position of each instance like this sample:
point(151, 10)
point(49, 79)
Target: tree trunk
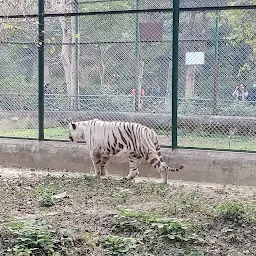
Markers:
point(69, 54)
point(65, 52)
point(102, 67)
point(74, 64)
point(191, 70)
point(190, 82)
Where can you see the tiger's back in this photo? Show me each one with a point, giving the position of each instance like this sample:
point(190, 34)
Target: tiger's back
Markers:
point(114, 137)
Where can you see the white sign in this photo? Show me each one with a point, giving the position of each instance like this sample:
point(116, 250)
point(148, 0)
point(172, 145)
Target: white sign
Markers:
point(194, 58)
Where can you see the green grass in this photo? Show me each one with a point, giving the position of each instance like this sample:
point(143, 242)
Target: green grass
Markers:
point(50, 133)
point(110, 217)
point(193, 139)
point(218, 141)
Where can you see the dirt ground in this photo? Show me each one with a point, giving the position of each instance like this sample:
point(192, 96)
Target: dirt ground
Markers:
point(45, 212)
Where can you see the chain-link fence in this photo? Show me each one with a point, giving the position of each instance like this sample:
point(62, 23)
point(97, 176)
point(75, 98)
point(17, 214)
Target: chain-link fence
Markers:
point(113, 60)
point(217, 79)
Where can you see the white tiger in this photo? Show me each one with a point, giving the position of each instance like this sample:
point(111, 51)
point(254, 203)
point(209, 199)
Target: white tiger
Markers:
point(106, 139)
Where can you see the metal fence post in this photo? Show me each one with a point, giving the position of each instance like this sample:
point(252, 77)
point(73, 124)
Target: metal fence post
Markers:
point(77, 56)
point(175, 63)
point(216, 63)
point(41, 70)
point(138, 60)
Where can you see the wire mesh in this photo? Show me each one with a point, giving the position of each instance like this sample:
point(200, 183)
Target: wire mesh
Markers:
point(18, 7)
point(217, 101)
point(94, 73)
point(119, 67)
point(119, 5)
point(18, 78)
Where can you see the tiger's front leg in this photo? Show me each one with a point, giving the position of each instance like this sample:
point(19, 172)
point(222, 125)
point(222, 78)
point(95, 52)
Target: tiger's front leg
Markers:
point(96, 160)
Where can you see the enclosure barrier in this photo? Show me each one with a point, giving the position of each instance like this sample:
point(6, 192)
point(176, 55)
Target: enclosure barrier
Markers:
point(184, 68)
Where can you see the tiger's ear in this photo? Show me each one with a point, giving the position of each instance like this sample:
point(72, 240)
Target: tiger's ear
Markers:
point(73, 126)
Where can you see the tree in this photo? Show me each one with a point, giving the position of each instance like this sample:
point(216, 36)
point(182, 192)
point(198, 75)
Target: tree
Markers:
point(243, 33)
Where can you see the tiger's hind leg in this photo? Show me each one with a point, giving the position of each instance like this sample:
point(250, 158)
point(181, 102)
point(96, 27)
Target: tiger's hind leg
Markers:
point(134, 162)
point(158, 163)
point(104, 160)
point(99, 161)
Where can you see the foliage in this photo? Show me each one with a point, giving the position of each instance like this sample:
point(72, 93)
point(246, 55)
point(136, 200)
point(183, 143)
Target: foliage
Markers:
point(152, 229)
point(35, 237)
point(179, 219)
point(89, 179)
point(243, 32)
point(236, 212)
point(46, 198)
point(122, 195)
point(117, 245)
point(28, 237)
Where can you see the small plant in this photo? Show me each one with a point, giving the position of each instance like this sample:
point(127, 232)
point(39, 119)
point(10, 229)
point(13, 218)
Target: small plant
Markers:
point(89, 179)
point(122, 195)
point(33, 237)
point(192, 251)
point(232, 211)
point(151, 227)
point(30, 237)
point(46, 198)
point(117, 245)
point(159, 189)
point(171, 229)
point(91, 239)
point(126, 221)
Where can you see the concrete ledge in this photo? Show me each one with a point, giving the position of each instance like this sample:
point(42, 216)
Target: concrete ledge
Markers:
point(206, 166)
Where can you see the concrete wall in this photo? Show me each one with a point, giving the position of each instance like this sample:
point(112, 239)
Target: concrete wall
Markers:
point(207, 166)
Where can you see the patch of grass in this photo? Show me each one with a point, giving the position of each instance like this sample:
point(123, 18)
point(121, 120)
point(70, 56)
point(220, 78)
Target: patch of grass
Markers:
point(192, 251)
point(236, 212)
point(155, 219)
point(151, 229)
point(117, 245)
point(153, 189)
point(91, 242)
point(122, 195)
point(183, 202)
point(89, 179)
point(214, 140)
point(46, 198)
point(50, 133)
point(29, 237)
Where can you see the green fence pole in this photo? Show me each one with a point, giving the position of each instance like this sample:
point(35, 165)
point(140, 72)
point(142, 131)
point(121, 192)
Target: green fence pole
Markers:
point(175, 63)
point(137, 54)
point(77, 55)
point(137, 29)
point(41, 70)
point(216, 63)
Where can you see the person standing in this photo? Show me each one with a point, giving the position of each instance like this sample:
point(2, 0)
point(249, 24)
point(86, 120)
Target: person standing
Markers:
point(240, 93)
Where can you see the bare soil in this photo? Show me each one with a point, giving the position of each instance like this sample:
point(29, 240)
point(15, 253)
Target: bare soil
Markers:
point(113, 217)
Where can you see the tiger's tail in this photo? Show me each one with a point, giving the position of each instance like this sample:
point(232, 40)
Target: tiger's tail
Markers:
point(171, 169)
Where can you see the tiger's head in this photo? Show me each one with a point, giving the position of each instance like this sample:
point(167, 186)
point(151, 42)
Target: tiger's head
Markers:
point(76, 131)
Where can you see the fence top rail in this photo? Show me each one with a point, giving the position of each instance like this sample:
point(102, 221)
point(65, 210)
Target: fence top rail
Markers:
point(131, 11)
